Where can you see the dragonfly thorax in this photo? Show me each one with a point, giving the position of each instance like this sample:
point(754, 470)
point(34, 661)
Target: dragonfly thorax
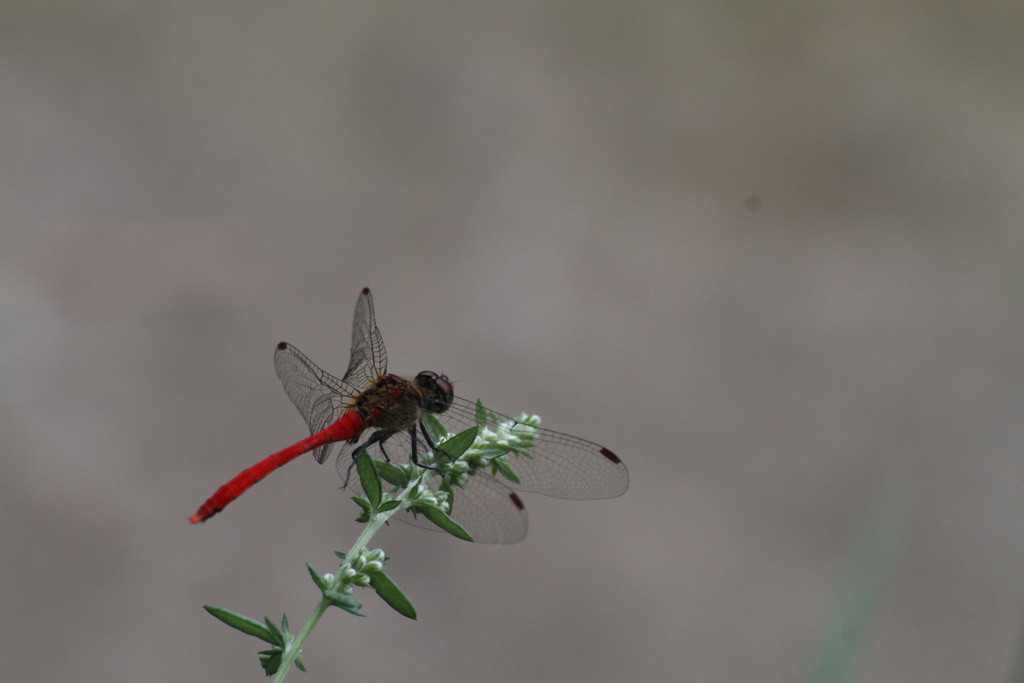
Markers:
point(394, 403)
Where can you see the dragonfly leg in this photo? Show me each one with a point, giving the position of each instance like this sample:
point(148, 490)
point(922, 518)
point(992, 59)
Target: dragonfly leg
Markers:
point(430, 442)
point(426, 437)
point(412, 455)
point(378, 437)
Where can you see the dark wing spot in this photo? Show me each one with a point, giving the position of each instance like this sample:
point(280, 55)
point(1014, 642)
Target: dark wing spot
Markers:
point(515, 501)
point(611, 456)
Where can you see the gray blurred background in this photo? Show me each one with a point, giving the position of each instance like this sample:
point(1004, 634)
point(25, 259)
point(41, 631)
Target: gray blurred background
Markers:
point(769, 253)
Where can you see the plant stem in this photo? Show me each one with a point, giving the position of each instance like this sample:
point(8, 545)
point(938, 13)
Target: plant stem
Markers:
point(295, 647)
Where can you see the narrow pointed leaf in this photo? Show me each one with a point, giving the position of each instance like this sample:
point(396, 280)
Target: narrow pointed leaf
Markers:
point(270, 660)
point(365, 505)
point(392, 594)
point(460, 443)
point(317, 579)
point(481, 414)
point(345, 602)
point(278, 636)
point(435, 428)
point(340, 554)
point(242, 623)
point(392, 474)
point(446, 487)
point(299, 665)
point(340, 599)
point(369, 478)
point(501, 465)
point(441, 519)
point(389, 505)
point(284, 617)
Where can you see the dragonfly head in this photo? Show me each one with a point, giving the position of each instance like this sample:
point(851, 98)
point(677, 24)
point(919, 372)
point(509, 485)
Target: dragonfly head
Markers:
point(437, 391)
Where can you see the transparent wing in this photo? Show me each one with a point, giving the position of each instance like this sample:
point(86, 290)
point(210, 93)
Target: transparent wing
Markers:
point(320, 397)
point(487, 509)
point(561, 466)
point(323, 398)
point(369, 360)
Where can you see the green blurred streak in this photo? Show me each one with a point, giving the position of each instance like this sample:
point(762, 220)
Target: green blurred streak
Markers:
point(871, 560)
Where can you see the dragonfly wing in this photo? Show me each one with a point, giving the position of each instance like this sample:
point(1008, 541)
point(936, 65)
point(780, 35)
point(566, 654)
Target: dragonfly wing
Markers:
point(486, 508)
point(369, 360)
point(321, 398)
point(561, 466)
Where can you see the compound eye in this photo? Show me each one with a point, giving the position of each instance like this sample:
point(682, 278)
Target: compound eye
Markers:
point(437, 390)
point(444, 387)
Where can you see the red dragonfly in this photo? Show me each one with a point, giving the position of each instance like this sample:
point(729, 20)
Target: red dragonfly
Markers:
point(368, 402)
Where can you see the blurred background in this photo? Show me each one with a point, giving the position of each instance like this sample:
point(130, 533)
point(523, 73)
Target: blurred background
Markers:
point(769, 253)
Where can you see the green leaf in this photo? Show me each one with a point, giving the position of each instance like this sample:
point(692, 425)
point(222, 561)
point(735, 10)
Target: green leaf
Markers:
point(441, 519)
point(340, 599)
point(317, 579)
point(392, 474)
point(501, 465)
point(340, 554)
point(299, 665)
point(446, 487)
point(435, 428)
point(284, 619)
point(278, 636)
point(369, 478)
point(365, 505)
point(392, 594)
point(345, 602)
point(460, 443)
point(270, 660)
point(242, 623)
point(481, 414)
point(389, 505)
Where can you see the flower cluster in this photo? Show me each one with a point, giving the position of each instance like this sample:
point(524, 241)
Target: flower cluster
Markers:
point(490, 448)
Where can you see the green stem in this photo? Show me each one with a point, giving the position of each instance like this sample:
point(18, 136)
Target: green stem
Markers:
point(295, 647)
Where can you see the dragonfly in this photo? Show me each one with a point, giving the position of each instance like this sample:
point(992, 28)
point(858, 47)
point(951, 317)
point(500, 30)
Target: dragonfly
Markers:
point(369, 409)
